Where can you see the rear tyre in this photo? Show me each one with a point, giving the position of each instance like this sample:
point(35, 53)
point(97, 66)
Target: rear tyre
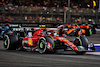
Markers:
point(11, 42)
point(42, 45)
point(77, 43)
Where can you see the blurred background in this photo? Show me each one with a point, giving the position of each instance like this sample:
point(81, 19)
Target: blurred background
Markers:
point(49, 12)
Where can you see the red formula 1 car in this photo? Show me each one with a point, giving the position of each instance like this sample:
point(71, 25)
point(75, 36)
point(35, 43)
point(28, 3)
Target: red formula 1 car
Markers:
point(44, 42)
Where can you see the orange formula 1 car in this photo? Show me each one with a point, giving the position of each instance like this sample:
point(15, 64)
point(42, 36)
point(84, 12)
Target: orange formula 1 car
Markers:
point(80, 30)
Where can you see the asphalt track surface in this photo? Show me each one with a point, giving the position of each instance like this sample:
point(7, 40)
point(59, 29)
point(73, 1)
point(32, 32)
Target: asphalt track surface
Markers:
point(16, 58)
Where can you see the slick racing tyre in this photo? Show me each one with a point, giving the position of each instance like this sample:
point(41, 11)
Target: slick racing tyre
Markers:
point(42, 46)
point(11, 42)
point(83, 42)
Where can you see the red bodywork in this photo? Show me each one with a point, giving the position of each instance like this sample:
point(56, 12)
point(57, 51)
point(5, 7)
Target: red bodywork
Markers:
point(11, 32)
point(32, 42)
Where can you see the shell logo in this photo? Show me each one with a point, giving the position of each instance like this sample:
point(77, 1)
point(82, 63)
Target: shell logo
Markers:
point(30, 41)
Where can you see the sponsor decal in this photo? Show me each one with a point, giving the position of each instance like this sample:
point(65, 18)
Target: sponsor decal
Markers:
point(30, 41)
point(14, 25)
point(28, 25)
point(42, 25)
point(49, 46)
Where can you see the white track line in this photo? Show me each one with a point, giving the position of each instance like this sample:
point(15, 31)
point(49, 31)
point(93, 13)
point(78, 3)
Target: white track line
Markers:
point(93, 53)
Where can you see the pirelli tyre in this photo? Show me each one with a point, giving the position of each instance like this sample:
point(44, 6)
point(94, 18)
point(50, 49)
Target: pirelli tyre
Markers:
point(11, 42)
point(42, 44)
point(81, 42)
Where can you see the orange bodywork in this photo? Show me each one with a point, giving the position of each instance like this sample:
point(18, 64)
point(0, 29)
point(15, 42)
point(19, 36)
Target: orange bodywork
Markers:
point(83, 32)
point(69, 31)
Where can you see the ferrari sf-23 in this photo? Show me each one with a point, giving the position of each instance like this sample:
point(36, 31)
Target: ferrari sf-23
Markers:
point(46, 41)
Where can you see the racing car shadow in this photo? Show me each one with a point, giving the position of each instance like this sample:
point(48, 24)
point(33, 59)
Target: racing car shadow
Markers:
point(54, 53)
point(36, 52)
point(66, 53)
point(49, 52)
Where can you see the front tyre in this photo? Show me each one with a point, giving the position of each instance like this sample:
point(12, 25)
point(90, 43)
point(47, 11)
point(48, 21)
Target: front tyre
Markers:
point(11, 42)
point(42, 46)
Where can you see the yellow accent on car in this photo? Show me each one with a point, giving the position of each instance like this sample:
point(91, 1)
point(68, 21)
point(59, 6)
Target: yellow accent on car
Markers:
point(30, 41)
point(65, 40)
point(76, 49)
